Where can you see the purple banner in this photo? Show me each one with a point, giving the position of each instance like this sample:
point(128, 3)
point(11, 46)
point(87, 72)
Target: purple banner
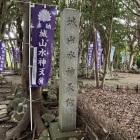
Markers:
point(99, 49)
point(99, 58)
point(11, 55)
point(98, 39)
point(2, 55)
point(43, 21)
point(90, 54)
point(16, 57)
point(112, 53)
point(17, 54)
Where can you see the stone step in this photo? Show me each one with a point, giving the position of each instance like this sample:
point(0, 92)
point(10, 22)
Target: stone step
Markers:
point(5, 86)
point(5, 90)
point(7, 124)
point(5, 102)
point(3, 111)
point(3, 115)
point(3, 106)
point(7, 83)
point(5, 118)
point(9, 97)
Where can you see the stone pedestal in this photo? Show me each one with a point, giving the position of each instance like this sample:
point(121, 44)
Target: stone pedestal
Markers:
point(56, 134)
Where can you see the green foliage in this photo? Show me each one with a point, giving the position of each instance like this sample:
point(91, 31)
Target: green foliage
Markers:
point(124, 22)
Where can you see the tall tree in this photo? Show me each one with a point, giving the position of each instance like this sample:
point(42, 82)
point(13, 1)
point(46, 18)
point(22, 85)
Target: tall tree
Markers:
point(95, 43)
point(109, 39)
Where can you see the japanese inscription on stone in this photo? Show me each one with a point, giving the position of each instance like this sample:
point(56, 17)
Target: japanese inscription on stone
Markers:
point(69, 39)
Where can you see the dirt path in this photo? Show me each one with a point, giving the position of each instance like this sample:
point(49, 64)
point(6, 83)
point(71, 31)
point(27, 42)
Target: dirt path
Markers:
point(124, 79)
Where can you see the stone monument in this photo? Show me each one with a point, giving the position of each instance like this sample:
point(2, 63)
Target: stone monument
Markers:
point(69, 39)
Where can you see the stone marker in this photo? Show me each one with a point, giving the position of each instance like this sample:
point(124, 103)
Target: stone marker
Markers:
point(69, 39)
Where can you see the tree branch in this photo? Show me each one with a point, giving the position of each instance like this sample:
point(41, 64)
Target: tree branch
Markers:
point(130, 10)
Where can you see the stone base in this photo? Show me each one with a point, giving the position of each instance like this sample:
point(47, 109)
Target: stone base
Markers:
point(56, 134)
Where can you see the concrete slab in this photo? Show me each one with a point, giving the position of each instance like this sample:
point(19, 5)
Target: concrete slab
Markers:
point(56, 134)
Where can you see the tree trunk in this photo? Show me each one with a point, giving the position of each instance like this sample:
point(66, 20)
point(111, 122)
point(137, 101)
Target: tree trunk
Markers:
point(2, 17)
point(108, 48)
point(20, 38)
point(95, 46)
point(132, 51)
point(25, 68)
point(138, 29)
point(131, 60)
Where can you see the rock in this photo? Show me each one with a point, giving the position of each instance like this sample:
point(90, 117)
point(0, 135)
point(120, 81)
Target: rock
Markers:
point(80, 84)
point(18, 116)
point(2, 79)
point(18, 113)
point(46, 124)
point(14, 103)
point(4, 82)
point(18, 94)
point(20, 107)
point(45, 135)
point(48, 118)
point(107, 77)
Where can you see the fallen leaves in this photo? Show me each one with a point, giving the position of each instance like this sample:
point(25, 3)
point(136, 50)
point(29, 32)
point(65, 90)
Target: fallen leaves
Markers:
point(120, 108)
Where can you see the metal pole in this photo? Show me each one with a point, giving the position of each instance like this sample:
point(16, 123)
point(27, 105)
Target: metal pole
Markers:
point(31, 114)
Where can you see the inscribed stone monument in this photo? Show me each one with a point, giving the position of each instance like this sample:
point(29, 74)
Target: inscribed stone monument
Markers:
point(69, 39)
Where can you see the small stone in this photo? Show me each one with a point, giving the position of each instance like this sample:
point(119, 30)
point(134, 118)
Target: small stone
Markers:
point(20, 107)
point(47, 124)
point(14, 103)
point(45, 135)
point(48, 117)
point(3, 82)
point(18, 116)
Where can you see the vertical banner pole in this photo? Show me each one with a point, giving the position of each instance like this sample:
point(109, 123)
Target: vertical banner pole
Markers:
point(31, 115)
